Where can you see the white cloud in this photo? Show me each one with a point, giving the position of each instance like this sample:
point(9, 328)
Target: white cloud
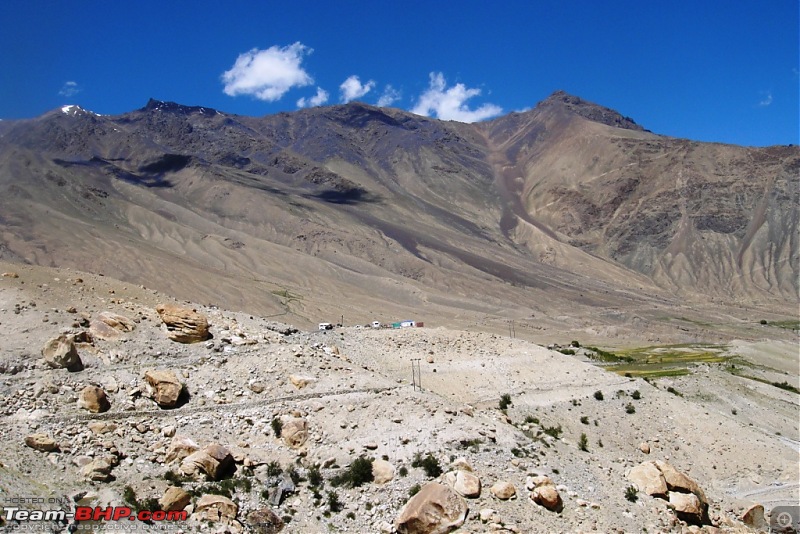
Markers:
point(766, 100)
point(69, 89)
point(450, 104)
point(352, 88)
point(317, 100)
point(268, 74)
point(390, 96)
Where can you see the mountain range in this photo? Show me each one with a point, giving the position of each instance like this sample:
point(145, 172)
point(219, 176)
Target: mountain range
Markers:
point(549, 217)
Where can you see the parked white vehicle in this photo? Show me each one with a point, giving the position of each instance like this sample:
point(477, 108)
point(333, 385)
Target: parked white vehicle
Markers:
point(325, 326)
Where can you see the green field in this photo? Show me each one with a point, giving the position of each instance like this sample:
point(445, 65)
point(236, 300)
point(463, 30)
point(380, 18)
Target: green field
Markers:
point(788, 325)
point(661, 360)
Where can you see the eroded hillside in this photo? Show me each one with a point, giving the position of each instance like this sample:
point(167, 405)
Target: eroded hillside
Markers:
point(549, 217)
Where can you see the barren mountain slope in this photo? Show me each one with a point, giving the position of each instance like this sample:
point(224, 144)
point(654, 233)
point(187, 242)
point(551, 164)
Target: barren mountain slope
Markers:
point(357, 211)
point(695, 217)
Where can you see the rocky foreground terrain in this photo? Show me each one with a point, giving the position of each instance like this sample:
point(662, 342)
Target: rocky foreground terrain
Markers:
point(113, 393)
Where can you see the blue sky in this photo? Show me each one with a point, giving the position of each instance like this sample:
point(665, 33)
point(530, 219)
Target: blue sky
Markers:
point(711, 70)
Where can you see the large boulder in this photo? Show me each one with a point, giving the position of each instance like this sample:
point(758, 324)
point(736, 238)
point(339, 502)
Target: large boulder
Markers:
point(164, 387)
point(648, 478)
point(94, 399)
point(660, 479)
point(180, 448)
point(41, 442)
point(264, 521)
point(547, 495)
point(687, 507)
point(301, 381)
point(464, 482)
point(60, 353)
point(116, 321)
point(184, 325)
point(503, 490)
point(213, 460)
point(98, 470)
point(382, 472)
point(215, 508)
point(754, 517)
point(435, 509)
point(295, 432)
point(110, 326)
point(174, 499)
point(677, 481)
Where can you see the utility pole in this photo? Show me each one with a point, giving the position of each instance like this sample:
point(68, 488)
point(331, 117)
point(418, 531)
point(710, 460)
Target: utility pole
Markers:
point(416, 374)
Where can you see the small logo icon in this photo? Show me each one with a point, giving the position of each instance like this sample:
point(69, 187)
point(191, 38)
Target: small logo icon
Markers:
point(784, 519)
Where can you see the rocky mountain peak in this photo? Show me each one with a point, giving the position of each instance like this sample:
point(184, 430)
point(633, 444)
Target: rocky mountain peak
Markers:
point(591, 111)
point(178, 109)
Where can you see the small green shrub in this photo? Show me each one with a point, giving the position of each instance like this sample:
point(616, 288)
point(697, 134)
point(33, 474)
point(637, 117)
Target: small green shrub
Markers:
point(505, 401)
point(315, 479)
point(786, 386)
point(583, 443)
point(531, 420)
point(413, 490)
point(240, 483)
point(763, 321)
point(674, 391)
point(429, 464)
point(277, 426)
point(403, 471)
point(293, 474)
point(470, 444)
point(554, 431)
point(334, 504)
point(358, 474)
point(598, 395)
point(631, 493)
point(568, 352)
point(213, 489)
point(636, 395)
point(575, 344)
point(274, 469)
point(175, 479)
point(585, 420)
point(630, 408)
point(129, 496)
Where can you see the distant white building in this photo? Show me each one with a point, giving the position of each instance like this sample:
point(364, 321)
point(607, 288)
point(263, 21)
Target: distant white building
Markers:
point(407, 324)
point(325, 326)
point(376, 324)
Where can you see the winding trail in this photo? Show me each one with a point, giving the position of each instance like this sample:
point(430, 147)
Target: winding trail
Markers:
point(189, 410)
